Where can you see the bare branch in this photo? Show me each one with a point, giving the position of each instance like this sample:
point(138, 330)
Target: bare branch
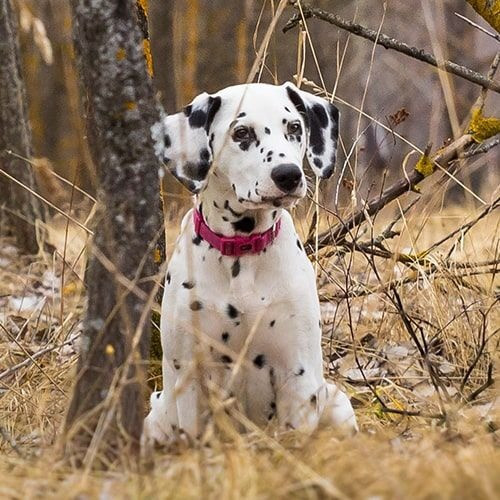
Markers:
point(496, 36)
point(442, 158)
point(391, 43)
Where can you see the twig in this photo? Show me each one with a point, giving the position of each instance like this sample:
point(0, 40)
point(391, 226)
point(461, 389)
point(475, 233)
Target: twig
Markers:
point(480, 148)
point(404, 185)
point(489, 382)
point(465, 228)
point(13, 339)
point(391, 43)
point(479, 353)
point(31, 359)
point(496, 36)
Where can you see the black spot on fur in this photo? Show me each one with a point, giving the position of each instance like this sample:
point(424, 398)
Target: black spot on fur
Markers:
point(196, 171)
point(245, 225)
point(313, 399)
point(232, 312)
point(225, 336)
point(266, 130)
point(318, 163)
point(274, 214)
point(215, 204)
point(287, 109)
point(213, 106)
point(169, 277)
point(300, 372)
point(158, 395)
point(235, 268)
point(197, 239)
point(273, 405)
point(196, 305)
point(321, 115)
point(299, 244)
point(177, 365)
point(282, 155)
point(241, 115)
point(188, 284)
point(316, 140)
point(297, 102)
point(205, 154)
point(166, 141)
point(225, 219)
point(226, 359)
point(272, 323)
point(284, 121)
point(327, 172)
point(197, 118)
point(259, 361)
point(233, 212)
point(187, 110)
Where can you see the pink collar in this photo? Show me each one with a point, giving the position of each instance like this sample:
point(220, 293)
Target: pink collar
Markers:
point(235, 246)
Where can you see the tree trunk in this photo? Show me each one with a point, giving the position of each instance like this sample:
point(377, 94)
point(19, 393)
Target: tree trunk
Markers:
point(104, 421)
point(20, 208)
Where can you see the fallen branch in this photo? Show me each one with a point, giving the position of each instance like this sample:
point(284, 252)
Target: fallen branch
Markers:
point(31, 359)
point(391, 43)
point(442, 158)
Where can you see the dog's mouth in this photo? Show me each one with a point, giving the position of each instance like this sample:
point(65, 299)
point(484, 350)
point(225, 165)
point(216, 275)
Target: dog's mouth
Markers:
point(285, 201)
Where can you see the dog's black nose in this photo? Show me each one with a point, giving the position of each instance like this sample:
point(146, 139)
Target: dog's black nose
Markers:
point(286, 176)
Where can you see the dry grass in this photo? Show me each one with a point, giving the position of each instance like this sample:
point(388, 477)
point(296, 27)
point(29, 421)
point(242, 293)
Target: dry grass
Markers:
point(428, 419)
point(395, 456)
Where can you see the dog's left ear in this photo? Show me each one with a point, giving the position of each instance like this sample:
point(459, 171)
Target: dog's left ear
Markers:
point(322, 121)
point(182, 141)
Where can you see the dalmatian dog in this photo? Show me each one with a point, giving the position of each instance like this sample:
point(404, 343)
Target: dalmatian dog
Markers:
point(240, 292)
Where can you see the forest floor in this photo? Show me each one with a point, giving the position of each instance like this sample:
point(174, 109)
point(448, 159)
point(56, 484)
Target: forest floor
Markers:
point(429, 422)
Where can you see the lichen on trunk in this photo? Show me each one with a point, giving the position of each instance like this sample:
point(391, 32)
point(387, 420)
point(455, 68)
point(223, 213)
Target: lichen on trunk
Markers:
point(107, 407)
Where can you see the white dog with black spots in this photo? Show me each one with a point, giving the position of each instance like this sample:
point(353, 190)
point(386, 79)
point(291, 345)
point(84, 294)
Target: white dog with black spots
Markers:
point(239, 283)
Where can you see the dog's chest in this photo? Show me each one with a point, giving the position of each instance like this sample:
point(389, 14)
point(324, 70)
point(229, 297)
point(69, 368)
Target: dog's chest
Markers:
point(239, 292)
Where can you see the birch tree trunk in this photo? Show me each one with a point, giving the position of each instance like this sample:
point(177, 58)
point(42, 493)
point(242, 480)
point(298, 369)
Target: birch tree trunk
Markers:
point(105, 417)
point(18, 207)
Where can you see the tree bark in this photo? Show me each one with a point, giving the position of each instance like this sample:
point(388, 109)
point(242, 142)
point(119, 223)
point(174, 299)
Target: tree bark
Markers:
point(104, 421)
point(19, 207)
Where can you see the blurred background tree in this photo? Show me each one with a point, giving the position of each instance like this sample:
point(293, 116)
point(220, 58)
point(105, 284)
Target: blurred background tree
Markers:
point(212, 44)
point(19, 209)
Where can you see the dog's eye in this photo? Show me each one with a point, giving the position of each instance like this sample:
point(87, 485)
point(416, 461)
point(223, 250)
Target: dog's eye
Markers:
point(294, 128)
point(241, 133)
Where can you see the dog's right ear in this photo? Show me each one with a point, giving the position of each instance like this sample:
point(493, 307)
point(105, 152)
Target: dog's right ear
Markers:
point(182, 141)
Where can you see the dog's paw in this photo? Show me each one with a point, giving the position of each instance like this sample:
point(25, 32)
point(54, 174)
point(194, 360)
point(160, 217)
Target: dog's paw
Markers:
point(157, 429)
point(338, 411)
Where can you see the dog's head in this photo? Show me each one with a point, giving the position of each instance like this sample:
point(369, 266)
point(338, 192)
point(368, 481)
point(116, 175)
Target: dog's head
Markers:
point(256, 136)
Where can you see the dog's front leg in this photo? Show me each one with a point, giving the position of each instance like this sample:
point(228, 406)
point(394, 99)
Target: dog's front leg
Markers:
point(187, 396)
point(298, 399)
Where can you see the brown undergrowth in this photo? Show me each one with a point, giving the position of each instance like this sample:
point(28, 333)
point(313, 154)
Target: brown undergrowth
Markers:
point(413, 340)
